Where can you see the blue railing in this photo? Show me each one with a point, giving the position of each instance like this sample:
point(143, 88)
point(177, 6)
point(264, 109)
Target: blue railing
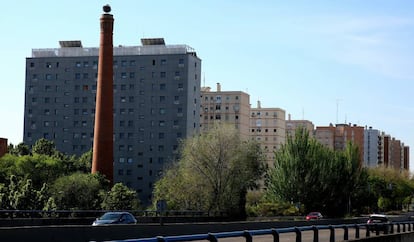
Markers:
point(386, 228)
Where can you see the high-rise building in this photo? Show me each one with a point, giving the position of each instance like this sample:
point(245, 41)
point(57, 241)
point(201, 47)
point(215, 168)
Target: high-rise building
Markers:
point(268, 127)
point(337, 137)
point(372, 141)
point(156, 103)
point(3, 146)
point(292, 125)
point(231, 107)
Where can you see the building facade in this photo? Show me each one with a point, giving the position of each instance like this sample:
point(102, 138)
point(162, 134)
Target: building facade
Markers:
point(292, 125)
point(156, 103)
point(268, 127)
point(231, 107)
point(3, 146)
point(372, 141)
point(336, 137)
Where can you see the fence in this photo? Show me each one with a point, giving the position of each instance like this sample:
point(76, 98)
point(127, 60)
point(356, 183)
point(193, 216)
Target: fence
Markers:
point(385, 228)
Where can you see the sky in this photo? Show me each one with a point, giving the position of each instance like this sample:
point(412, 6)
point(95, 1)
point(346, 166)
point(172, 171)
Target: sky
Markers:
point(332, 61)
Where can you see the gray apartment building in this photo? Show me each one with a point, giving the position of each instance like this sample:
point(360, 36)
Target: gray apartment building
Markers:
point(372, 142)
point(156, 103)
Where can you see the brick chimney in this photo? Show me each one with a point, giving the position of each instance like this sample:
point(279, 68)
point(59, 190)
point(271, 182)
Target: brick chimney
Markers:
point(103, 150)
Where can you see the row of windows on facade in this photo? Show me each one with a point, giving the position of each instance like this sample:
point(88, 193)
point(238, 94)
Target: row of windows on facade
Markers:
point(123, 63)
point(218, 117)
point(129, 148)
point(161, 135)
point(218, 98)
point(218, 108)
point(123, 75)
point(162, 86)
point(266, 114)
point(122, 99)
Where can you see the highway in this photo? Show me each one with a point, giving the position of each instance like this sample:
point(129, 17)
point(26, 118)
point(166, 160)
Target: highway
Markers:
point(307, 236)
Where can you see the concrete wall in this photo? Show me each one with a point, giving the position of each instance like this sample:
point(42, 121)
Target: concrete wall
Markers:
point(405, 237)
point(120, 232)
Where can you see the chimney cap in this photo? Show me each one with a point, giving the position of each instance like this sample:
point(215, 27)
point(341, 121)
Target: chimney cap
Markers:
point(106, 8)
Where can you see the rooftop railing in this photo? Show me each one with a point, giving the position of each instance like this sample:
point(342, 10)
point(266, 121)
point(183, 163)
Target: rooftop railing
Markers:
point(118, 51)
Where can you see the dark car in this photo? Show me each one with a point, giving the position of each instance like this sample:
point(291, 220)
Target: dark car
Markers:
point(378, 222)
point(314, 216)
point(115, 218)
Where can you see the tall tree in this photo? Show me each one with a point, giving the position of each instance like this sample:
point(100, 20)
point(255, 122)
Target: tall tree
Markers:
point(307, 173)
point(214, 173)
point(44, 147)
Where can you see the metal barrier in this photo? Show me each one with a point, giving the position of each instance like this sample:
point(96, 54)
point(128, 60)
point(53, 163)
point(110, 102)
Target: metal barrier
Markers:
point(386, 228)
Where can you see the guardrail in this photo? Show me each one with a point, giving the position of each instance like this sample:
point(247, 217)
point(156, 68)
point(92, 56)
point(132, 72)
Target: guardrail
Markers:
point(94, 213)
point(385, 228)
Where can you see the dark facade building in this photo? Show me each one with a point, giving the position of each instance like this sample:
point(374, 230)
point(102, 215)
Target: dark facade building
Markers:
point(156, 103)
point(3, 146)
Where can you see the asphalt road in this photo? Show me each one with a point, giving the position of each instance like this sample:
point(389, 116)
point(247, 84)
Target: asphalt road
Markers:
point(307, 236)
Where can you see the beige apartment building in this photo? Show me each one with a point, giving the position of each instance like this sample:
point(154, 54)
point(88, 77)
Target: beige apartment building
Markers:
point(268, 126)
point(232, 107)
point(292, 125)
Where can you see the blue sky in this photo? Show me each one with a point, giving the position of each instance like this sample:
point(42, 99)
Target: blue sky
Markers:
point(326, 61)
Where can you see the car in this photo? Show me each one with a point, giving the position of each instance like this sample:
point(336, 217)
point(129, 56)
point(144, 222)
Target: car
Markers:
point(115, 218)
point(378, 222)
point(314, 216)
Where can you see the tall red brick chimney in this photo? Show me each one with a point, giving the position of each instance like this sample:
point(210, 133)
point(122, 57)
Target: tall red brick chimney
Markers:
point(103, 151)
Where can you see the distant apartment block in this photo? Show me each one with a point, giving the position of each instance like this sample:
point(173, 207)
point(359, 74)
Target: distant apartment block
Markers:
point(372, 148)
point(268, 127)
point(231, 107)
point(156, 104)
point(393, 153)
point(292, 125)
point(3, 146)
point(337, 137)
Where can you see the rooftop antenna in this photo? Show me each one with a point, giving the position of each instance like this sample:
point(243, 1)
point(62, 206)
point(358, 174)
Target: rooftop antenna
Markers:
point(337, 108)
point(303, 113)
point(204, 79)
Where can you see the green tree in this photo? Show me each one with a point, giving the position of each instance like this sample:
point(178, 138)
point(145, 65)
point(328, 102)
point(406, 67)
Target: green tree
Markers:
point(214, 173)
point(307, 173)
point(120, 197)
point(20, 150)
point(77, 191)
point(44, 147)
point(21, 195)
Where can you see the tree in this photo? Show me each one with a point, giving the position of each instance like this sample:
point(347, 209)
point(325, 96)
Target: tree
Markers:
point(119, 197)
point(20, 150)
point(307, 173)
point(214, 173)
point(44, 147)
point(77, 191)
point(21, 195)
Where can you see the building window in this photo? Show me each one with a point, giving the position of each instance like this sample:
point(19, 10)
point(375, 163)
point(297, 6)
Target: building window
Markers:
point(163, 86)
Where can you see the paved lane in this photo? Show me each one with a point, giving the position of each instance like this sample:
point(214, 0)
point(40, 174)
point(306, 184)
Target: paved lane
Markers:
point(307, 236)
